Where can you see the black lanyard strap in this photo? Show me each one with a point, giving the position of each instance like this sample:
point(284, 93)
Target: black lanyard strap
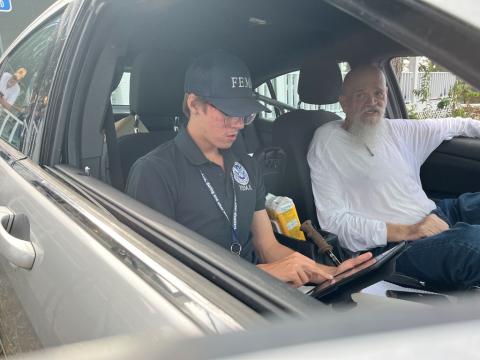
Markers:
point(235, 246)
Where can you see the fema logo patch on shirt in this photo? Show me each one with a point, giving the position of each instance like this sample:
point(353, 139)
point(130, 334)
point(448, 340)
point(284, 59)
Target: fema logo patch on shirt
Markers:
point(241, 176)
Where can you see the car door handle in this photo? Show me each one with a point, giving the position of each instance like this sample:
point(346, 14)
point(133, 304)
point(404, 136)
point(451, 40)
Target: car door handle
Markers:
point(17, 250)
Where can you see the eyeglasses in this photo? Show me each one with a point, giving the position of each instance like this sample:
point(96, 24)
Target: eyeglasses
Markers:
point(231, 120)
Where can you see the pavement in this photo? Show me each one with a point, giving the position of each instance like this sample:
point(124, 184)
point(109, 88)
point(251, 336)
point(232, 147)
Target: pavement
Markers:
point(16, 332)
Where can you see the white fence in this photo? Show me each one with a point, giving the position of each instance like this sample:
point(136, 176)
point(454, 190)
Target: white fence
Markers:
point(440, 85)
point(10, 126)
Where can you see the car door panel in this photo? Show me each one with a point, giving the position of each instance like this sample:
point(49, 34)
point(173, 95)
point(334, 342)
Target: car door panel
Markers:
point(453, 168)
point(75, 279)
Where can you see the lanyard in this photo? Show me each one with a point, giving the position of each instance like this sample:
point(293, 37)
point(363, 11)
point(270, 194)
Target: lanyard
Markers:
point(235, 246)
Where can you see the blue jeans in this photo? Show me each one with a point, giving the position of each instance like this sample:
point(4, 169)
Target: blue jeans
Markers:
point(451, 259)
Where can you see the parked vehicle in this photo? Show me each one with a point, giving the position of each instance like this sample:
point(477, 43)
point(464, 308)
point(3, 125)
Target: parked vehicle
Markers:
point(81, 260)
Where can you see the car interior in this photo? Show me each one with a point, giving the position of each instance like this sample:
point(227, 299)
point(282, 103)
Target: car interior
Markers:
point(274, 37)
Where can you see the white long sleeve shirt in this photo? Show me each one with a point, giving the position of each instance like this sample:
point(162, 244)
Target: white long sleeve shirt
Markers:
point(357, 194)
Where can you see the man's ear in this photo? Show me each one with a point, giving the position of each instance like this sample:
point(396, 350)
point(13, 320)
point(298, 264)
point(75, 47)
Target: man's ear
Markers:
point(192, 104)
point(195, 105)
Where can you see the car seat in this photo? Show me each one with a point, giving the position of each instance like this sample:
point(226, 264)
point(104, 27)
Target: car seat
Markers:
point(156, 96)
point(319, 83)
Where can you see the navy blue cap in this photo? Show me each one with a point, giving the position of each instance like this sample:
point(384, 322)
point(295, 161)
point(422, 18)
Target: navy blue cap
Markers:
point(223, 80)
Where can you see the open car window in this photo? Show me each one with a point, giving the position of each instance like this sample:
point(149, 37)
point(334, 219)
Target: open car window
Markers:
point(106, 264)
point(158, 83)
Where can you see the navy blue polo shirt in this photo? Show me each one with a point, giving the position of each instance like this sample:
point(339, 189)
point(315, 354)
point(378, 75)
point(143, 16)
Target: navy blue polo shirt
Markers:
point(168, 179)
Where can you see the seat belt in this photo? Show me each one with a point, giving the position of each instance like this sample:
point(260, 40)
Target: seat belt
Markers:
point(114, 164)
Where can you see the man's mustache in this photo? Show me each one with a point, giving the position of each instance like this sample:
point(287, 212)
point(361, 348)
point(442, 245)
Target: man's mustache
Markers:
point(373, 108)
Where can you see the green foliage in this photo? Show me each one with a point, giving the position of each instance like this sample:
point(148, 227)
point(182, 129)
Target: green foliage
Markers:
point(462, 95)
point(444, 103)
point(412, 112)
point(459, 99)
point(463, 92)
point(427, 68)
point(460, 112)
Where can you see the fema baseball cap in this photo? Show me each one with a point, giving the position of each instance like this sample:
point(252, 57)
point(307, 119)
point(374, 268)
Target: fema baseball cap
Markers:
point(223, 80)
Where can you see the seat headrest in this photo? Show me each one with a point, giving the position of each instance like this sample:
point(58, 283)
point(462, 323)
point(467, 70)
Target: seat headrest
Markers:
point(156, 84)
point(320, 81)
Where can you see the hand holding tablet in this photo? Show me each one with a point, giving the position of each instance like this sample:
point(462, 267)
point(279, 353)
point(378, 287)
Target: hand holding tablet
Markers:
point(360, 273)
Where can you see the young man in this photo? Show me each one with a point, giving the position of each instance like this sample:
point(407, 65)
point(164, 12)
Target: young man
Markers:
point(199, 182)
point(10, 89)
point(366, 181)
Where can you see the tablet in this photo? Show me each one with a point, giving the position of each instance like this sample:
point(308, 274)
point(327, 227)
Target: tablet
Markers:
point(360, 273)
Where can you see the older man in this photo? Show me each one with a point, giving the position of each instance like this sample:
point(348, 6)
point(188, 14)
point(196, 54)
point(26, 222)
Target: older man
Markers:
point(366, 182)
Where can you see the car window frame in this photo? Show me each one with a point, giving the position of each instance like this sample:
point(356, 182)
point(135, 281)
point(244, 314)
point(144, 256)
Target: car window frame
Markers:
point(212, 265)
point(29, 144)
point(112, 201)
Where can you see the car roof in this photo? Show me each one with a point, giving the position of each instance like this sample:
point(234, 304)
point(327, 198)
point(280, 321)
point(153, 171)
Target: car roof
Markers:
point(259, 32)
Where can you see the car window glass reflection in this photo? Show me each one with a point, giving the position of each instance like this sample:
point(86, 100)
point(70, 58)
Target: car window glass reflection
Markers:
point(21, 77)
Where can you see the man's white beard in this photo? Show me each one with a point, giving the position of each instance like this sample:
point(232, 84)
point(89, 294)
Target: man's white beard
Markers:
point(368, 134)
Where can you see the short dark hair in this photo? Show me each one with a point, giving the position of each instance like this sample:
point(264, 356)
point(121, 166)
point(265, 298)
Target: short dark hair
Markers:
point(198, 99)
